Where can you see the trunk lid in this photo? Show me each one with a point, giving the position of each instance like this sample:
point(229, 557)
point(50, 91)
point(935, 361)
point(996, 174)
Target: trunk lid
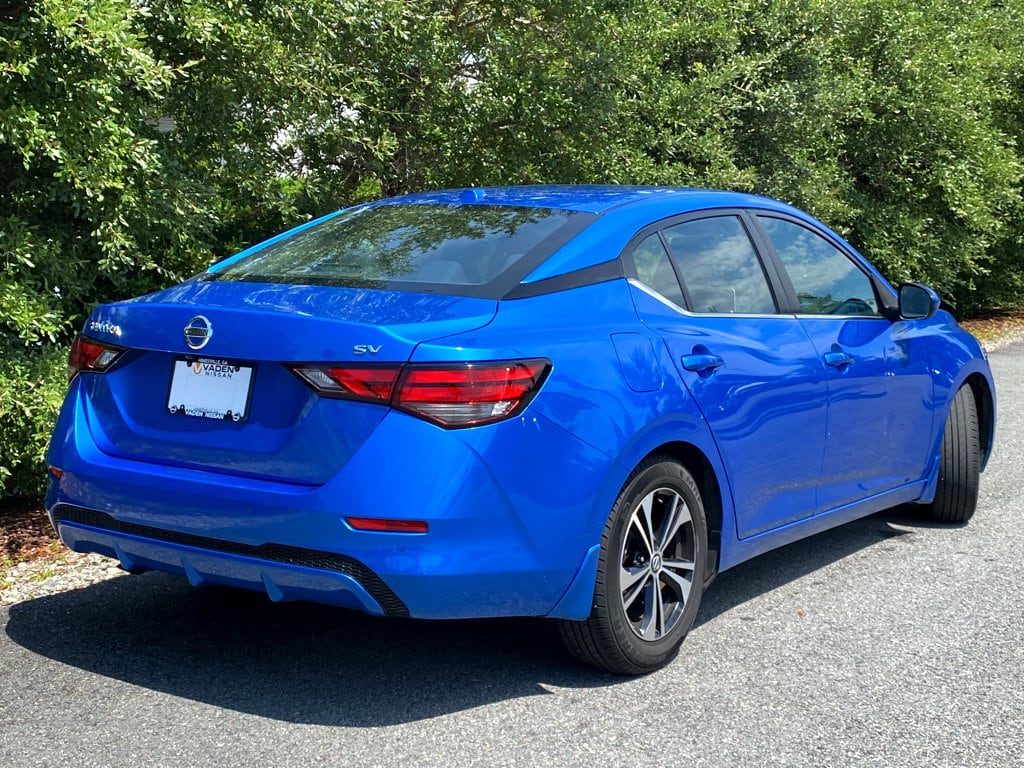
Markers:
point(287, 432)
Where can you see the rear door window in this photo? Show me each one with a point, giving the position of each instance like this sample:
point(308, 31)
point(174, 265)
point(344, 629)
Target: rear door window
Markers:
point(654, 269)
point(719, 266)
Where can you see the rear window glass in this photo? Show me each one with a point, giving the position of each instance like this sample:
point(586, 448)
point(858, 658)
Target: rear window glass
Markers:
point(426, 247)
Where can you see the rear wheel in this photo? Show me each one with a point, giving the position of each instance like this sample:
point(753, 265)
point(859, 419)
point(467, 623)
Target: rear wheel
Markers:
point(650, 573)
point(956, 496)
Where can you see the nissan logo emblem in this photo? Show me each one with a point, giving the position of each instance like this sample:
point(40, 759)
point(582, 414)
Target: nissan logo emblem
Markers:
point(198, 332)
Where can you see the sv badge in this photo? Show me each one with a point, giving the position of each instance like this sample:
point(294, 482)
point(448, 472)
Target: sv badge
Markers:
point(363, 349)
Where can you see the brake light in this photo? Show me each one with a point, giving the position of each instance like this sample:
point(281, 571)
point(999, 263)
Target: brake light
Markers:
point(353, 383)
point(89, 355)
point(460, 395)
point(471, 394)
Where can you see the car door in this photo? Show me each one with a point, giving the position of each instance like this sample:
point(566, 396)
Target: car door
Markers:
point(879, 422)
point(753, 372)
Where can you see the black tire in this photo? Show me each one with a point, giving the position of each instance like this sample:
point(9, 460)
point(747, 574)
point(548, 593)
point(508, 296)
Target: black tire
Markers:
point(626, 633)
point(956, 496)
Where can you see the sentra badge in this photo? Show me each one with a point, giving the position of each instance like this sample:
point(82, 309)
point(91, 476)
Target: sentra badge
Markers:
point(105, 327)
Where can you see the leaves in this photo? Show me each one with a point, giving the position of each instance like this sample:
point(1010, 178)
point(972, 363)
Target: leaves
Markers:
point(140, 141)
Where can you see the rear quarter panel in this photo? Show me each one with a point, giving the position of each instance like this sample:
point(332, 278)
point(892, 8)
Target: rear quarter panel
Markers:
point(587, 393)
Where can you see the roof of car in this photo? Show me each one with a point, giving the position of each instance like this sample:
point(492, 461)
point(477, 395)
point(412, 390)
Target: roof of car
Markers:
point(594, 198)
point(620, 211)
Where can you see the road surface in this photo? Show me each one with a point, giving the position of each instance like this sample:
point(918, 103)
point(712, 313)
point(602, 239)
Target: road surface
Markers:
point(885, 642)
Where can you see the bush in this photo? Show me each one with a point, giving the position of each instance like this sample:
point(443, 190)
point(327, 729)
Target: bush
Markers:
point(896, 123)
point(139, 141)
point(32, 385)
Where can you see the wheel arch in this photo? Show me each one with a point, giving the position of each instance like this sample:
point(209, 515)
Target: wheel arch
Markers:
point(984, 400)
point(699, 466)
point(638, 616)
point(575, 603)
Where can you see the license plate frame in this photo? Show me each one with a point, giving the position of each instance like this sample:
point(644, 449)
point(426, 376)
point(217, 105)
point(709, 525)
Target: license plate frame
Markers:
point(210, 388)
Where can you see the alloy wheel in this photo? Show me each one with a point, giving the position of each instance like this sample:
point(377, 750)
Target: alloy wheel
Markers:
point(657, 564)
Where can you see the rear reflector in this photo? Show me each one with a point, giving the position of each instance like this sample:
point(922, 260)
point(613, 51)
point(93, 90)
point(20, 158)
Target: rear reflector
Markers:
point(89, 355)
point(388, 524)
point(460, 395)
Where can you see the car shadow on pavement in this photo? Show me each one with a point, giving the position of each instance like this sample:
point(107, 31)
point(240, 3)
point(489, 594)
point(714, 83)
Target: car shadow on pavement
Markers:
point(806, 556)
point(307, 663)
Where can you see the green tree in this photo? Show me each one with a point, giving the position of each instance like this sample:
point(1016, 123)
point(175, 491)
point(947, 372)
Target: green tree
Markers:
point(140, 141)
point(891, 121)
point(77, 86)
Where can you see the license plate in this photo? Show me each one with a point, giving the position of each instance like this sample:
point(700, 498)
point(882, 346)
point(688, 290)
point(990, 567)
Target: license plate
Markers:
point(209, 388)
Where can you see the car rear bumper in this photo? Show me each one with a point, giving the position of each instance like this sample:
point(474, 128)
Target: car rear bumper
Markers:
point(508, 531)
point(284, 573)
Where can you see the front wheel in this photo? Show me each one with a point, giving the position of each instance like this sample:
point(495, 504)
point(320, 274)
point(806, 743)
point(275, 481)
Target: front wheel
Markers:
point(956, 495)
point(650, 574)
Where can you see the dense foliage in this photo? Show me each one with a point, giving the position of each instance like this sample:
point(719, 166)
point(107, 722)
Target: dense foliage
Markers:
point(140, 140)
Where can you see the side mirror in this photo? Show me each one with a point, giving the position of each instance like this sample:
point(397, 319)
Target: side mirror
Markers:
point(917, 302)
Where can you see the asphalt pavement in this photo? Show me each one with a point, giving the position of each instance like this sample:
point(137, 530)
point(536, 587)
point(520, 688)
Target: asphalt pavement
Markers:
point(888, 641)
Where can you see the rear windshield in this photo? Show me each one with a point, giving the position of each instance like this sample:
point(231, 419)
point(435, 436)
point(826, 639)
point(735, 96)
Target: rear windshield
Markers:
point(435, 248)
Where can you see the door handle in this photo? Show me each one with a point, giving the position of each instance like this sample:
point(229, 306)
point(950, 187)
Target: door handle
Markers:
point(838, 359)
point(702, 364)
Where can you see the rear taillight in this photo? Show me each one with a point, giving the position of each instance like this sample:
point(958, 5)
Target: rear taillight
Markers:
point(90, 355)
point(461, 395)
point(353, 383)
point(470, 394)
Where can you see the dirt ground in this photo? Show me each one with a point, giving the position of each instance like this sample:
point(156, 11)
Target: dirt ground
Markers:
point(995, 323)
point(25, 531)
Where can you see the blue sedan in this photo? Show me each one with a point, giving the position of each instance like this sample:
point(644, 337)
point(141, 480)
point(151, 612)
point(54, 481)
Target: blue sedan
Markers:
point(579, 403)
